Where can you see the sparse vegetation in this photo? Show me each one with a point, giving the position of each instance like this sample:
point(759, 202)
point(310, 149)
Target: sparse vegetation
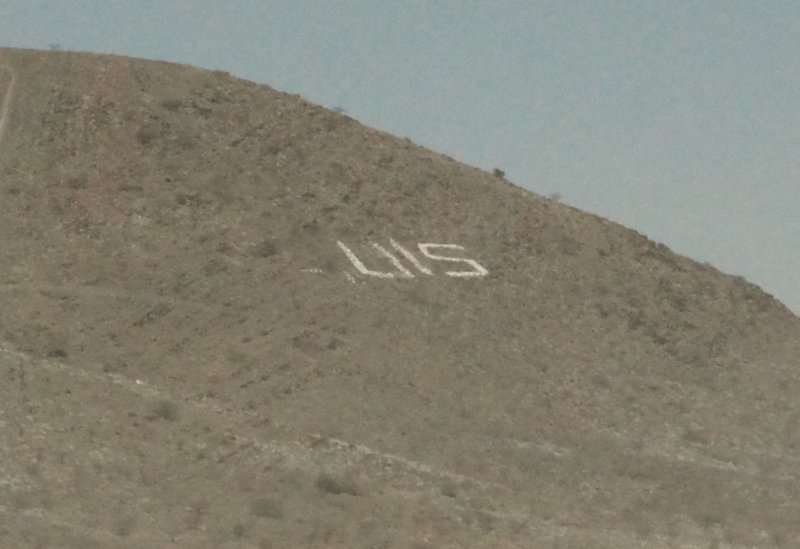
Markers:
point(497, 172)
point(124, 526)
point(449, 489)
point(265, 507)
point(147, 133)
point(266, 248)
point(172, 104)
point(696, 434)
point(77, 182)
point(335, 485)
point(209, 334)
point(165, 410)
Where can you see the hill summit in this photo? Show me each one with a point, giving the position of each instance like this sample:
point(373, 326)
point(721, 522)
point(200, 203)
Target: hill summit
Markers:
point(233, 318)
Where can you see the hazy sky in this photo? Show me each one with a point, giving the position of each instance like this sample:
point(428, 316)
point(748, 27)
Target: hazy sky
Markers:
point(680, 119)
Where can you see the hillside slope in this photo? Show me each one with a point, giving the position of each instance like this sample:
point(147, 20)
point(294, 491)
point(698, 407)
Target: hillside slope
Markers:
point(232, 318)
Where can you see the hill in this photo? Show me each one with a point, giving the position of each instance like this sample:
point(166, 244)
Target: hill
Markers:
point(233, 318)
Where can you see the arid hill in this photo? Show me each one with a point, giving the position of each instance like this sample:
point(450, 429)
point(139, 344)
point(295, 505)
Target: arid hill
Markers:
point(233, 318)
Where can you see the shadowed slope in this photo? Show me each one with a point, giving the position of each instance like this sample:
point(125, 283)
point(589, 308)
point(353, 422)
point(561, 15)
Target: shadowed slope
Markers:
point(197, 356)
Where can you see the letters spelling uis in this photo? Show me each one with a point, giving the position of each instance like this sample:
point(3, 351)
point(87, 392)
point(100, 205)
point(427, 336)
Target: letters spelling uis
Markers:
point(426, 249)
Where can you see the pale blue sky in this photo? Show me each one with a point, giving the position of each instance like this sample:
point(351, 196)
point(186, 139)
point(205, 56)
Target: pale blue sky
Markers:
point(680, 119)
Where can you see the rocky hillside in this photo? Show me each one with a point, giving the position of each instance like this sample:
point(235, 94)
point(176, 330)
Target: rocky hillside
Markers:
point(233, 318)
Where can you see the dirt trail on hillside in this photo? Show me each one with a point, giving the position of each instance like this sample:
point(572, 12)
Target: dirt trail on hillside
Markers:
point(405, 478)
point(303, 452)
point(6, 105)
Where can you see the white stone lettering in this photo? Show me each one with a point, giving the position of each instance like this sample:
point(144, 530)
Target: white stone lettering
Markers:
point(369, 272)
point(396, 262)
point(401, 271)
point(478, 270)
point(408, 255)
